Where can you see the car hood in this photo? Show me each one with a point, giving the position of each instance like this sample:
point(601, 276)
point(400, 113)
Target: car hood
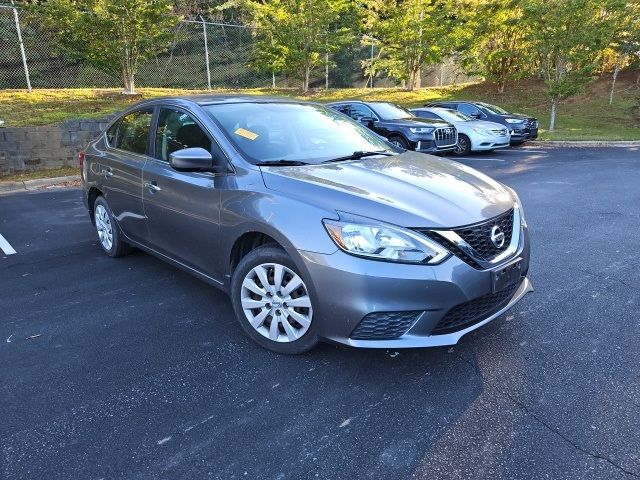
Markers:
point(418, 122)
point(478, 123)
point(520, 116)
point(410, 190)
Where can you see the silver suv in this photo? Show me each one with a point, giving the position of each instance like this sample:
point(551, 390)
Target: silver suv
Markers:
point(316, 227)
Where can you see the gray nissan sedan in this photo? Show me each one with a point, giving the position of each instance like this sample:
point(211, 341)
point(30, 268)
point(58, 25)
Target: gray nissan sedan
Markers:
point(317, 228)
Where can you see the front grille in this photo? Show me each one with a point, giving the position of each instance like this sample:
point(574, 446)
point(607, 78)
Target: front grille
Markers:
point(469, 313)
point(479, 236)
point(384, 325)
point(445, 136)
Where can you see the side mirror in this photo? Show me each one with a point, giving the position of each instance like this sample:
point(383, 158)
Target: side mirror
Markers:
point(194, 159)
point(476, 115)
point(367, 120)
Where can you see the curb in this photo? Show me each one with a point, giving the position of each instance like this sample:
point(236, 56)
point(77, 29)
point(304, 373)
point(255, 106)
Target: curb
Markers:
point(582, 143)
point(8, 187)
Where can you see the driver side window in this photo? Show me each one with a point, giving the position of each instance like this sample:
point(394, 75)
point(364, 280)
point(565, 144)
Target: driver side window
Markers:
point(470, 110)
point(177, 130)
point(357, 111)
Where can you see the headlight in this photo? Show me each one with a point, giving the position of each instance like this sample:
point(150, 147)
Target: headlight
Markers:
point(421, 129)
point(482, 131)
point(513, 120)
point(384, 242)
point(523, 222)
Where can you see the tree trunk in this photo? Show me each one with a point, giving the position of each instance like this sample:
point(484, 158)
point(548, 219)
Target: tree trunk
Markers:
point(554, 108)
point(305, 79)
point(414, 80)
point(501, 84)
point(129, 83)
point(616, 70)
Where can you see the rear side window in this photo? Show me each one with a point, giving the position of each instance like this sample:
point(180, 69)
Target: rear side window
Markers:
point(177, 130)
point(133, 134)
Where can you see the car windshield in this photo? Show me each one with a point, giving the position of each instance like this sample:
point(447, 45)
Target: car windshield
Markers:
point(452, 115)
point(280, 132)
point(494, 108)
point(389, 111)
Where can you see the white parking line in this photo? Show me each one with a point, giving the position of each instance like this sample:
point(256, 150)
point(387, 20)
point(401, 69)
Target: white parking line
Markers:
point(6, 246)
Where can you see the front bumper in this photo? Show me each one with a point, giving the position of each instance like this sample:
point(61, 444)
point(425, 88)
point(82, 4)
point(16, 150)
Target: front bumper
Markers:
point(347, 289)
point(431, 146)
point(489, 143)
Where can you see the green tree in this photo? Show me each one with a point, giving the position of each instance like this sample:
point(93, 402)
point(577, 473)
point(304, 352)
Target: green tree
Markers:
point(412, 34)
point(112, 35)
point(495, 43)
point(295, 36)
point(569, 37)
point(624, 45)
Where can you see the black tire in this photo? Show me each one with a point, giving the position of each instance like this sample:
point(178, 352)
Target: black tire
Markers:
point(264, 255)
point(463, 147)
point(118, 247)
point(399, 141)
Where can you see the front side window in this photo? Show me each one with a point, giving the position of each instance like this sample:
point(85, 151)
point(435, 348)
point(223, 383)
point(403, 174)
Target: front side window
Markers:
point(268, 132)
point(111, 134)
point(358, 111)
point(469, 109)
point(177, 130)
point(133, 134)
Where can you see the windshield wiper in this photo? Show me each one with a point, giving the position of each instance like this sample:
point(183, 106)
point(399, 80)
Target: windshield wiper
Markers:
point(360, 154)
point(282, 163)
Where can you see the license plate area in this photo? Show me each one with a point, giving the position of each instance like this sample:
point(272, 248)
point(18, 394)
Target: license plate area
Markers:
point(506, 276)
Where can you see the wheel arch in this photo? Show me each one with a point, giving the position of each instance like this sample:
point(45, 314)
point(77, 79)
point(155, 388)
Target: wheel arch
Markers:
point(92, 195)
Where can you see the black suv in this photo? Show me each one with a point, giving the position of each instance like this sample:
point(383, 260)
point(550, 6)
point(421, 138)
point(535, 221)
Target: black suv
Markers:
point(522, 128)
point(400, 126)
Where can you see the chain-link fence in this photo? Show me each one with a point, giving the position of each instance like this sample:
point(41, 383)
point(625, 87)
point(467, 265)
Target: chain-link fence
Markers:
point(200, 55)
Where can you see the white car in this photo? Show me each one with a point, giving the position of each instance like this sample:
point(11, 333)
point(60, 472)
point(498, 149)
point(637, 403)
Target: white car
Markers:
point(473, 135)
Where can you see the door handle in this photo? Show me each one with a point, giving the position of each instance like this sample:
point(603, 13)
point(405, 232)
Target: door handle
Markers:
point(107, 172)
point(152, 187)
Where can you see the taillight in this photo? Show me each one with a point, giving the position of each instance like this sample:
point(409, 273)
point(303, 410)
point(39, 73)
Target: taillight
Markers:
point(81, 156)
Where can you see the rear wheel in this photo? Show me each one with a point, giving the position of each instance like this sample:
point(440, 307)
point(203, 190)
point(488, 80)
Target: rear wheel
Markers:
point(399, 142)
point(463, 147)
point(108, 233)
point(272, 302)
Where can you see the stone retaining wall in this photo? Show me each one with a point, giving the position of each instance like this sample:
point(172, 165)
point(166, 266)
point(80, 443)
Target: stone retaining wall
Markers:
point(51, 146)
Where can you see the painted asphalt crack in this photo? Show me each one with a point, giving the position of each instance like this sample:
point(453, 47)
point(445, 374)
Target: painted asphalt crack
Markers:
point(532, 414)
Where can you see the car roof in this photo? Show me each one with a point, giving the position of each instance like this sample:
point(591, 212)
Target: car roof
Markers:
point(210, 99)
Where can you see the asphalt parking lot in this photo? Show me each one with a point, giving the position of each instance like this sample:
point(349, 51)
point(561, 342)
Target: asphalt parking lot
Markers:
point(130, 368)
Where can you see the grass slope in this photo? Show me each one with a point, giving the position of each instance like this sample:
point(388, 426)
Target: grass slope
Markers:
point(585, 117)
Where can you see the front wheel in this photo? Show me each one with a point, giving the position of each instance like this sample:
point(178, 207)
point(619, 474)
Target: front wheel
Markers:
point(272, 302)
point(399, 142)
point(463, 147)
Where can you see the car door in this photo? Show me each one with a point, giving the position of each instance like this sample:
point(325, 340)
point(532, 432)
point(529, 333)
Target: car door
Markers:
point(121, 171)
point(182, 208)
point(362, 114)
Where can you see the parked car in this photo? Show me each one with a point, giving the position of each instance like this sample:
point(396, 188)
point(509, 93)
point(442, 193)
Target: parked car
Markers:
point(317, 228)
point(400, 126)
point(473, 135)
point(521, 127)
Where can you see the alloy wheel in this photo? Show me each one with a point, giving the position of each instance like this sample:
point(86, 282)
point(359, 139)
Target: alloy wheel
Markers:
point(104, 228)
point(461, 146)
point(276, 302)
